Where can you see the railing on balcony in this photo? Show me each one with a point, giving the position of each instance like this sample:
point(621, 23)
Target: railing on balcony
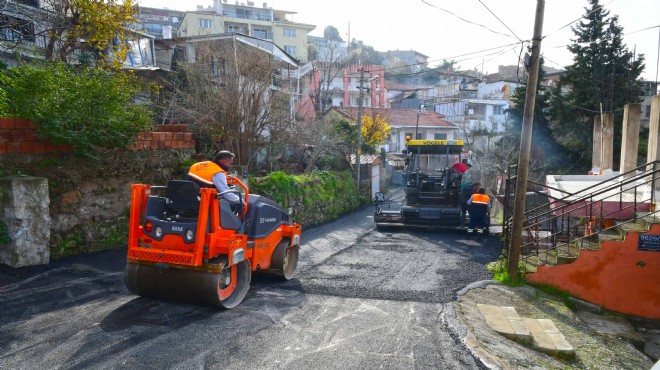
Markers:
point(15, 37)
point(565, 224)
point(257, 17)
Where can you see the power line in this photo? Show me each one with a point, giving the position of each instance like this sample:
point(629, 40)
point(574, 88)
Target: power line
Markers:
point(605, 38)
point(498, 18)
point(601, 83)
point(465, 20)
point(454, 56)
point(570, 23)
point(582, 108)
point(499, 51)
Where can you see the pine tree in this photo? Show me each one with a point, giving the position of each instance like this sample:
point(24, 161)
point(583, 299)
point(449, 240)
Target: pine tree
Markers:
point(604, 75)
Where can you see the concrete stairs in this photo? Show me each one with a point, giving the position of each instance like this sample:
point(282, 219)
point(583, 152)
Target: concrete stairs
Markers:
point(569, 252)
point(540, 334)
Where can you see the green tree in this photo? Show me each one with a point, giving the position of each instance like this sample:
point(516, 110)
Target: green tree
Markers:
point(364, 54)
point(331, 33)
point(604, 75)
point(84, 107)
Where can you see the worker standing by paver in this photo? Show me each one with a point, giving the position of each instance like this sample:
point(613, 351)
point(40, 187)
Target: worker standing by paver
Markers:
point(466, 192)
point(479, 204)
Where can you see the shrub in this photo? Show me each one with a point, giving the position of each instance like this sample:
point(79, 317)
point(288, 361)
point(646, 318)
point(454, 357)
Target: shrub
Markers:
point(84, 107)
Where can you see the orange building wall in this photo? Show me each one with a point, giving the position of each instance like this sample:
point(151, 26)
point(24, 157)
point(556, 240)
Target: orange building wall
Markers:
point(617, 277)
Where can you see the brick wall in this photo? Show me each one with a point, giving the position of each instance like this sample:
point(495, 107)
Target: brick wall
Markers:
point(19, 135)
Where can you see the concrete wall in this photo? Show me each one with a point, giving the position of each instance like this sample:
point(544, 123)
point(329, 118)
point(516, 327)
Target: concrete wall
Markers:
point(24, 204)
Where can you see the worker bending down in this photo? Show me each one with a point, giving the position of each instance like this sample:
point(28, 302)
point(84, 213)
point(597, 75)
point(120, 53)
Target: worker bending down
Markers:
point(479, 204)
point(208, 174)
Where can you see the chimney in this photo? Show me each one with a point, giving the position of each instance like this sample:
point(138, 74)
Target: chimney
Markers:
point(200, 7)
point(265, 5)
point(217, 6)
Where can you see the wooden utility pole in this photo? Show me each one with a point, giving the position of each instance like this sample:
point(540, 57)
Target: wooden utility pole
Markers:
point(359, 129)
point(525, 145)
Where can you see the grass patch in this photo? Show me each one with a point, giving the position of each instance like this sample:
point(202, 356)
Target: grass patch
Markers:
point(68, 247)
point(500, 270)
point(557, 293)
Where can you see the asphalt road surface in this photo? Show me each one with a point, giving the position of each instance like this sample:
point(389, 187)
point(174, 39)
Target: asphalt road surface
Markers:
point(362, 299)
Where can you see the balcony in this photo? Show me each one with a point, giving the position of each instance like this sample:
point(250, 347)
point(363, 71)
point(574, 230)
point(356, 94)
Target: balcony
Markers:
point(256, 17)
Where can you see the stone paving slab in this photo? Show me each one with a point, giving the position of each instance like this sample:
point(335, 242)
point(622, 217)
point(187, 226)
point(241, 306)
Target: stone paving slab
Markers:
point(592, 349)
point(541, 334)
point(548, 339)
point(496, 319)
point(506, 321)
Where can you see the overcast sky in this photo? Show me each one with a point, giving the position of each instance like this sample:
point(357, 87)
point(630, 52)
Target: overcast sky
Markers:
point(427, 26)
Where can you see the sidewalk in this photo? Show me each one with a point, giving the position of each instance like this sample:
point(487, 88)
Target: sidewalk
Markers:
point(596, 340)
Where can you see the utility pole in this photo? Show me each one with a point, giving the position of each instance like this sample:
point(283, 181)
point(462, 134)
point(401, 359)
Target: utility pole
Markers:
point(525, 145)
point(359, 128)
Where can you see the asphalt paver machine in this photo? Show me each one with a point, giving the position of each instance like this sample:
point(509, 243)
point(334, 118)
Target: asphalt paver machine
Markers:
point(187, 244)
point(431, 187)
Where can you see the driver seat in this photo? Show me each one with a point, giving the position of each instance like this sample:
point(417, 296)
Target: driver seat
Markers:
point(182, 198)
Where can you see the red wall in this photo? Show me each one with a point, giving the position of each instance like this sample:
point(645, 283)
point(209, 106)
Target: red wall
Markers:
point(19, 135)
point(617, 277)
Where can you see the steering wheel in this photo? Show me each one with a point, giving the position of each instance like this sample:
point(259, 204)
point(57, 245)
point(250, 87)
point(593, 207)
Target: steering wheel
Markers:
point(240, 197)
point(233, 180)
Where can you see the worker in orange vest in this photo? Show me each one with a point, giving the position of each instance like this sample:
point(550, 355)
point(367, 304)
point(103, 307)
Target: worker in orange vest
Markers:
point(479, 204)
point(213, 173)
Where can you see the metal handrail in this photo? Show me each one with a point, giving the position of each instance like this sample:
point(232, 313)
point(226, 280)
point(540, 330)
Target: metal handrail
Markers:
point(623, 175)
point(567, 220)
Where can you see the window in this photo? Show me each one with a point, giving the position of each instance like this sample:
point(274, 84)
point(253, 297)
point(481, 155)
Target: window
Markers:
point(217, 66)
point(243, 13)
point(498, 109)
point(291, 50)
point(233, 29)
point(153, 28)
point(289, 32)
point(262, 34)
point(438, 136)
point(15, 29)
point(205, 23)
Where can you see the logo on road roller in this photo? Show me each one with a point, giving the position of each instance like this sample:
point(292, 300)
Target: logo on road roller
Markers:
point(177, 229)
point(264, 220)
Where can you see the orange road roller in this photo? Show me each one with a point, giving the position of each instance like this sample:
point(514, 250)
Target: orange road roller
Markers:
point(188, 244)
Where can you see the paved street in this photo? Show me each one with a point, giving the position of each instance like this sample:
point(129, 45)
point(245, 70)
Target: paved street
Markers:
point(362, 300)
